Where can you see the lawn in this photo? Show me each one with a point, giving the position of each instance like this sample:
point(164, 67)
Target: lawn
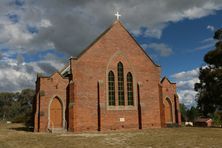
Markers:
point(14, 136)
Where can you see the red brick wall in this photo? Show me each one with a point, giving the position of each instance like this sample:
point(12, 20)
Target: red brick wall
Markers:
point(47, 89)
point(93, 67)
point(169, 91)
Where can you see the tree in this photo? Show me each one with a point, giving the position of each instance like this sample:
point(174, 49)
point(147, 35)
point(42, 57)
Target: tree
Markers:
point(25, 99)
point(183, 111)
point(192, 113)
point(209, 96)
point(188, 114)
point(17, 107)
point(6, 100)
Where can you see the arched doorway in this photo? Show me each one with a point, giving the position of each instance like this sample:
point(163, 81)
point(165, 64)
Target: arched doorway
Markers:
point(168, 111)
point(56, 114)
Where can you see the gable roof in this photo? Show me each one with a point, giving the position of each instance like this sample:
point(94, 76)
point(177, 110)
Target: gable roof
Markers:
point(203, 119)
point(165, 78)
point(102, 34)
point(57, 72)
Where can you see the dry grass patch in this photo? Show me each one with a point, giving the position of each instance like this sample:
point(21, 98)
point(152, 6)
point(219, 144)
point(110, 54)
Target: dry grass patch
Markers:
point(14, 136)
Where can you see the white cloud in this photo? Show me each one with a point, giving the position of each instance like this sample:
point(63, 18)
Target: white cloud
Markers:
point(14, 35)
point(211, 28)
point(16, 74)
point(208, 40)
point(69, 26)
point(198, 12)
point(161, 49)
point(45, 23)
point(185, 84)
point(187, 97)
point(206, 44)
point(186, 75)
point(12, 79)
point(155, 31)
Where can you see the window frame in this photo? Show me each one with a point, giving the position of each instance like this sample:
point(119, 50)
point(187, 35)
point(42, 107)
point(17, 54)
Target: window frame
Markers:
point(111, 89)
point(121, 95)
point(130, 93)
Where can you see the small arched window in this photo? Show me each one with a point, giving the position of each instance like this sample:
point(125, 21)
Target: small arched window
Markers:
point(111, 81)
point(120, 84)
point(130, 88)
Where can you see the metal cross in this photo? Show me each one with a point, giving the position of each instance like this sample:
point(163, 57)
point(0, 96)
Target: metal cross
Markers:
point(117, 15)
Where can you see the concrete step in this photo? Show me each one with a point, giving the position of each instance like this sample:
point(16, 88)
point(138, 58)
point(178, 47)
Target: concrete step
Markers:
point(58, 130)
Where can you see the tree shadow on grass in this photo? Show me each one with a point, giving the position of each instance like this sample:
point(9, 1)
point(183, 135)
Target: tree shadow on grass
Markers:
point(22, 128)
point(25, 129)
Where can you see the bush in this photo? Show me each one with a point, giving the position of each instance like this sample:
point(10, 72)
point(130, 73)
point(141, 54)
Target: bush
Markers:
point(217, 120)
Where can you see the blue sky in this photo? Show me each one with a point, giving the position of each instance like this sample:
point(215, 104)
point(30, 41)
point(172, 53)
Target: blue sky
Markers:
point(189, 40)
point(185, 38)
point(40, 36)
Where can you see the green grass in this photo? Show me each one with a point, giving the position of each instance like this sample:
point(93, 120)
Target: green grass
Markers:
point(15, 136)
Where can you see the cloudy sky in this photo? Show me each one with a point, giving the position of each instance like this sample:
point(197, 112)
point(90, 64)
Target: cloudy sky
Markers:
point(40, 35)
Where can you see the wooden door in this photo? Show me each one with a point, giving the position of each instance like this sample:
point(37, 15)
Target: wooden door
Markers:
point(56, 114)
point(168, 111)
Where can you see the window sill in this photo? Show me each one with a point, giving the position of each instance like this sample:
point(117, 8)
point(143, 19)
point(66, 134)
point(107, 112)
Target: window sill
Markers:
point(130, 107)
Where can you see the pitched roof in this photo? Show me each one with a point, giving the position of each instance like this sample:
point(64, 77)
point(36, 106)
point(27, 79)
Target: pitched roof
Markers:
point(201, 119)
point(165, 78)
point(102, 34)
point(57, 72)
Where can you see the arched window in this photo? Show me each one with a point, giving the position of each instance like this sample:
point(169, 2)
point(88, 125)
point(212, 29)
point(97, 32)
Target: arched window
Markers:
point(130, 88)
point(120, 84)
point(111, 81)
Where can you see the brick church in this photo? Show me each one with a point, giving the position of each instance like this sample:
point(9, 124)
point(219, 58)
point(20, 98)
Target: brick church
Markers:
point(112, 85)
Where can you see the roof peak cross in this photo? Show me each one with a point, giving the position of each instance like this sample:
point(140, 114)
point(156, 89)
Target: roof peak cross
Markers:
point(117, 15)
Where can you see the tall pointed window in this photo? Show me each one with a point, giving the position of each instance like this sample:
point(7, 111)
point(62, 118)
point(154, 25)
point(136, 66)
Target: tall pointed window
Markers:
point(120, 84)
point(111, 81)
point(130, 88)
